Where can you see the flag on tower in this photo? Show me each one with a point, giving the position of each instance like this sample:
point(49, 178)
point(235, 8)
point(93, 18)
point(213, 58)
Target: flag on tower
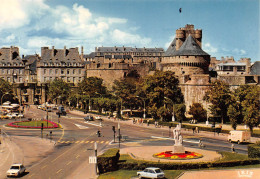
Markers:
point(180, 10)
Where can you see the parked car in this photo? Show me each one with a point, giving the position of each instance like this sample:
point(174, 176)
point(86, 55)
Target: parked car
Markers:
point(39, 106)
point(98, 118)
point(151, 172)
point(20, 115)
point(16, 170)
point(89, 118)
point(9, 115)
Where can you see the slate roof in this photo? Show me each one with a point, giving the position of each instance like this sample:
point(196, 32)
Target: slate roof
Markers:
point(91, 55)
point(190, 47)
point(64, 55)
point(255, 68)
point(128, 49)
point(171, 49)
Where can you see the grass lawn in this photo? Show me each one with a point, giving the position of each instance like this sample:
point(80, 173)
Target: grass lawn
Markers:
point(171, 174)
point(127, 174)
point(228, 156)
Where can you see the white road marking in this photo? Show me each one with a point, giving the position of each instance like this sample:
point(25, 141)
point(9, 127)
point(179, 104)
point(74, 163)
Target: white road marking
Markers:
point(81, 126)
point(94, 124)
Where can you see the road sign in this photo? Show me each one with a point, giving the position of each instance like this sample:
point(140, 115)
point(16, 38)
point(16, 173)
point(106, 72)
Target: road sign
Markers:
point(92, 159)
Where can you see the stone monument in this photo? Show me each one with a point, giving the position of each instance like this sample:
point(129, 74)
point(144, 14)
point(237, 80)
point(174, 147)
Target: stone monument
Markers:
point(178, 147)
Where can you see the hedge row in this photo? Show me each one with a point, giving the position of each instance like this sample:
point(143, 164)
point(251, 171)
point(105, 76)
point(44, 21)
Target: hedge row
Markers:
point(254, 150)
point(140, 165)
point(187, 126)
point(108, 161)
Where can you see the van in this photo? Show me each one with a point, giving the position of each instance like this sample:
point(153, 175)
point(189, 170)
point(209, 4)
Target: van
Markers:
point(239, 136)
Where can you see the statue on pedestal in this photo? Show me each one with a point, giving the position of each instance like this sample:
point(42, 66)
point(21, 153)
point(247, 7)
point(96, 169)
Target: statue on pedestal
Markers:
point(178, 148)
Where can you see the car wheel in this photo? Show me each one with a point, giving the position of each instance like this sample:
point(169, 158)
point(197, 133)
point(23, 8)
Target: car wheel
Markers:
point(140, 177)
point(229, 140)
point(238, 142)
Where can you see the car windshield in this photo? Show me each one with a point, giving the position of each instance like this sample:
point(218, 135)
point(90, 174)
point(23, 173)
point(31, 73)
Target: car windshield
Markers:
point(14, 167)
point(158, 171)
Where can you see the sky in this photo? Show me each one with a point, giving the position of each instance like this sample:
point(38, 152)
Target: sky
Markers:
point(230, 27)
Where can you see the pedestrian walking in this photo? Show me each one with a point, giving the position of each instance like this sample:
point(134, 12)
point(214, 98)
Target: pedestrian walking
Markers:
point(193, 129)
point(148, 122)
point(232, 148)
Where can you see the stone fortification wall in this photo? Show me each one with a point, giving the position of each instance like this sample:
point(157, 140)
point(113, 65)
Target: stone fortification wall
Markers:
point(194, 89)
point(108, 72)
point(185, 64)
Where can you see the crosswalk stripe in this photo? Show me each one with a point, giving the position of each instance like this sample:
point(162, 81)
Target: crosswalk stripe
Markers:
point(81, 142)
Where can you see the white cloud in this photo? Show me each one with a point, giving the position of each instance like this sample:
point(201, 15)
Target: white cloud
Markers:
point(10, 38)
point(239, 51)
point(32, 24)
point(167, 44)
point(207, 47)
point(121, 37)
point(18, 13)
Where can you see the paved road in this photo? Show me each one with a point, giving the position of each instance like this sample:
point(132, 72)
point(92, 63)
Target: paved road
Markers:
point(69, 159)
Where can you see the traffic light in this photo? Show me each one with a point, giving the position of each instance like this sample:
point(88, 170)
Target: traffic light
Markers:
point(42, 126)
point(114, 128)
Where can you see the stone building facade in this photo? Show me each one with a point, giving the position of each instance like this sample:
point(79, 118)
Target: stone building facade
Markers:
point(30, 75)
point(114, 63)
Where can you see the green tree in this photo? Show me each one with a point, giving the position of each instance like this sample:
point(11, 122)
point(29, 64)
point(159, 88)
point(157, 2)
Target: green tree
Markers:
point(233, 113)
point(92, 86)
point(5, 87)
point(179, 112)
point(251, 105)
point(58, 89)
point(159, 90)
point(125, 89)
point(219, 97)
point(198, 112)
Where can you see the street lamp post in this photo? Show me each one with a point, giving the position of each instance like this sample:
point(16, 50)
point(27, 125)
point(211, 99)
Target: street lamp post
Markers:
point(173, 118)
point(119, 135)
point(144, 106)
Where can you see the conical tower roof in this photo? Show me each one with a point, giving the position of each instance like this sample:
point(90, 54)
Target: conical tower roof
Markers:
point(171, 49)
point(190, 47)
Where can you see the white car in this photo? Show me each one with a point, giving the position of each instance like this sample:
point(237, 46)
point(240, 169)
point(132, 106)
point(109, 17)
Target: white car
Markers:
point(20, 115)
point(16, 170)
point(10, 116)
point(151, 172)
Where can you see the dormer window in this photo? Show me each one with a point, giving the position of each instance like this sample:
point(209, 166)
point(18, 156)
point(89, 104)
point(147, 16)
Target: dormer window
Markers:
point(8, 64)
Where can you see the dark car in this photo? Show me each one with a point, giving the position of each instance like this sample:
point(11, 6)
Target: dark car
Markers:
point(89, 118)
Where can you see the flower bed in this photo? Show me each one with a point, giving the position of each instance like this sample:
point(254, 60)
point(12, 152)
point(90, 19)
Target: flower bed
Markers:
point(178, 156)
point(16, 124)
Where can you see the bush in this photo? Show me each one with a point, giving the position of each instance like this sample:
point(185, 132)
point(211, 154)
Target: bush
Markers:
point(254, 150)
point(108, 161)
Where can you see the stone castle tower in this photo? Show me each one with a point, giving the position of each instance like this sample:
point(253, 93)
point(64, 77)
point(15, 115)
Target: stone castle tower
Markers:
point(190, 64)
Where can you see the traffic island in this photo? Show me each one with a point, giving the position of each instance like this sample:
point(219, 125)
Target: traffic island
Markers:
point(42, 124)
